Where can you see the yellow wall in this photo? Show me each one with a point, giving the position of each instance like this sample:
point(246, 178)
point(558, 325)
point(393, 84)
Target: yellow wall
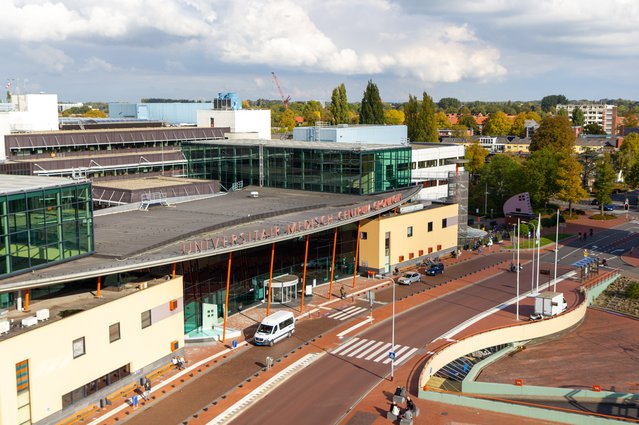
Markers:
point(54, 372)
point(372, 248)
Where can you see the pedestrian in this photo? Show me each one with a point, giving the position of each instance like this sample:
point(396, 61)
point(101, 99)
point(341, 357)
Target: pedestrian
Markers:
point(147, 389)
point(396, 270)
point(182, 362)
point(174, 360)
point(591, 231)
point(342, 292)
point(394, 409)
point(579, 235)
point(134, 401)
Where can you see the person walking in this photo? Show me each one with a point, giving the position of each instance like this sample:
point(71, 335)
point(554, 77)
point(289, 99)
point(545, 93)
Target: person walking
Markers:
point(147, 389)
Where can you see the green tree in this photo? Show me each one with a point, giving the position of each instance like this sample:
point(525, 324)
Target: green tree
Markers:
point(578, 117)
point(393, 117)
point(569, 181)
point(554, 133)
point(339, 105)
point(372, 110)
point(549, 103)
point(593, 128)
point(312, 112)
point(628, 154)
point(450, 105)
point(500, 177)
point(468, 121)
point(632, 177)
point(497, 125)
point(411, 113)
point(540, 175)
point(441, 120)
point(476, 156)
point(426, 119)
point(604, 182)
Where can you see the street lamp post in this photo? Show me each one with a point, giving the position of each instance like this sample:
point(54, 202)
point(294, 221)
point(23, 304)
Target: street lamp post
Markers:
point(392, 362)
point(556, 252)
point(517, 265)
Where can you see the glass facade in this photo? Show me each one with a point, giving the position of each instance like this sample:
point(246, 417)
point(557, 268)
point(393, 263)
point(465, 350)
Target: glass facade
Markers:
point(205, 278)
point(45, 226)
point(357, 171)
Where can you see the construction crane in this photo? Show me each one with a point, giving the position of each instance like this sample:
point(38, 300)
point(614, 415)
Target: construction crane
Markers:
point(279, 88)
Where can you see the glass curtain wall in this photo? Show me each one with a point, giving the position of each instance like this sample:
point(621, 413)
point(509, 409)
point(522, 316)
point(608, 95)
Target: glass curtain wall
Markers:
point(357, 172)
point(45, 226)
point(205, 279)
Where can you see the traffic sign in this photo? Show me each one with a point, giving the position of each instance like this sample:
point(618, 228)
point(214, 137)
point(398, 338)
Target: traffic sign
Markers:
point(391, 355)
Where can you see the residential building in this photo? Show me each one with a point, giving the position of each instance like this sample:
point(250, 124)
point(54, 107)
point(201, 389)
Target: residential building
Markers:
point(595, 113)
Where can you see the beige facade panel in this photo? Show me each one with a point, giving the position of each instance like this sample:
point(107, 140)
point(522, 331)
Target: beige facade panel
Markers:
point(413, 235)
point(59, 363)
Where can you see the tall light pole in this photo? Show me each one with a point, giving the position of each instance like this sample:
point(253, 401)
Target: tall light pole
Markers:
point(392, 356)
point(556, 252)
point(486, 200)
point(532, 284)
point(517, 265)
point(538, 239)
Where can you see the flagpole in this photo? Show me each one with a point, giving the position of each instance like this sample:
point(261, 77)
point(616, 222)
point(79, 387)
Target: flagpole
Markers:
point(517, 265)
point(538, 249)
point(556, 252)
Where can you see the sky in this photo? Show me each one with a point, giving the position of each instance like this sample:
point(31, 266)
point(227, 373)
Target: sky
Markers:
point(489, 50)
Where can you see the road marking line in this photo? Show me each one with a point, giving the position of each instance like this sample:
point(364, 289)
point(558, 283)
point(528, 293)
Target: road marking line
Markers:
point(363, 347)
point(353, 313)
point(375, 353)
point(405, 356)
point(397, 354)
point(338, 312)
point(352, 328)
point(352, 347)
point(241, 406)
point(346, 344)
point(374, 347)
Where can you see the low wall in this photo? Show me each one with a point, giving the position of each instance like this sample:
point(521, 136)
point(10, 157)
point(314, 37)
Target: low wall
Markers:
point(520, 332)
point(524, 409)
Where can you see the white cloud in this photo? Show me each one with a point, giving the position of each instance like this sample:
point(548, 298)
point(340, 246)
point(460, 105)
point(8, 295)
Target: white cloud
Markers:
point(51, 59)
point(94, 64)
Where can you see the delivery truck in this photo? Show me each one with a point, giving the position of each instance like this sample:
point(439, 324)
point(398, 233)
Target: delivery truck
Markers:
point(548, 304)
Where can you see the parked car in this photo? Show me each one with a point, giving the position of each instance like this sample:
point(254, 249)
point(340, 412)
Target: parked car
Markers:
point(594, 202)
point(435, 269)
point(535, 316)
point(409, 278)
point(608, 207)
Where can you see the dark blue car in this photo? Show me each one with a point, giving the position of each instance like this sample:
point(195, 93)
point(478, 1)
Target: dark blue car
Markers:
point(608, 207)
point(435, 269)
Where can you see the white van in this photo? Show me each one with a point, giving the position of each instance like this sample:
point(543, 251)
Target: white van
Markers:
point(275, 327)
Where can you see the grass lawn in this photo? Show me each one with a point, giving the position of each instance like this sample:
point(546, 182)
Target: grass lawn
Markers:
point(545, 240)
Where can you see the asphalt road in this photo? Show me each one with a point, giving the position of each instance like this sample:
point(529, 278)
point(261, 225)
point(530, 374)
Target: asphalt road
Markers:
point(323, 392)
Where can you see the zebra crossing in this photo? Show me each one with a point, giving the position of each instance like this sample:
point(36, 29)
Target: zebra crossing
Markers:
point(376, 351)
point(347, 313)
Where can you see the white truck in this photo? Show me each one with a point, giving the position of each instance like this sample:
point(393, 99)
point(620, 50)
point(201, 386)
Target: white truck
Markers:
point(548, 304)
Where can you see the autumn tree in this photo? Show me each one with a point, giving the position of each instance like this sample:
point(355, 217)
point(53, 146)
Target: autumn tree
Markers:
point(628, 154)
point(476, 157)
point(519, 123)
point(630, 120)
point(287, 120)
point(393, 117)
point(569, 181)
point(372, 109)
point(604, 181)
point(554, 133)
point(497, 125)
point(578, 118)
point(339, 105)
point(441, 120)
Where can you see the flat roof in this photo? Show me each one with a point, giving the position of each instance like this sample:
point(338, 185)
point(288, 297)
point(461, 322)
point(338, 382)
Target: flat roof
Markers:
point(10, 183)
point(221, 223)
point(146, 183)
point(296, 144)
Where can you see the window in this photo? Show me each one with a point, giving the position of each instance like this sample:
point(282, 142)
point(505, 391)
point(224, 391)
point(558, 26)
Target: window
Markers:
point(401, 258)
point(146, 319)
point(78, 348)
point(114, 332)
point(364, 235)
point(409, 231)
point(430, 226)
point(444, 223)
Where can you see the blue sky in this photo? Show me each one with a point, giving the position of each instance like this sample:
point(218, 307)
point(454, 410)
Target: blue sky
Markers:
point(125, 50)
